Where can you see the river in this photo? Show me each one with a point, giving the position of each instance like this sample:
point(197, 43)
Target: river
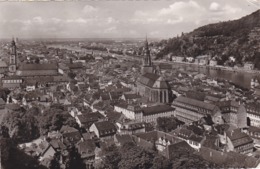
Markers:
point(242, 79)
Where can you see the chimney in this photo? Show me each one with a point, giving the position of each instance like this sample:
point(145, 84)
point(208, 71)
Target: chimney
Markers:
point(232, 132)
point(210, 154)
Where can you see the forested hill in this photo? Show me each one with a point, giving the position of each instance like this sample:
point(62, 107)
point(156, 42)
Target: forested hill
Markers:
point(238, 38)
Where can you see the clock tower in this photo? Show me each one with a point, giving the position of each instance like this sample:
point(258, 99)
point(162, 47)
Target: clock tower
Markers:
point(13, 58)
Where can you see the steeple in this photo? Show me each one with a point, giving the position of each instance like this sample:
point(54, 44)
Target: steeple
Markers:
point(13, 57)
point(147, 57)
point(147, 66)
point(13, 47)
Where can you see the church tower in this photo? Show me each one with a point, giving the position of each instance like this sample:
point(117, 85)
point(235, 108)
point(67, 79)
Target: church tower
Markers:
point(13, 58)
point(147, 66)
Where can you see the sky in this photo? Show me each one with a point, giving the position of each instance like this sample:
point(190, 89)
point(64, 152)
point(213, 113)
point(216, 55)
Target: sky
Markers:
point(116, 19)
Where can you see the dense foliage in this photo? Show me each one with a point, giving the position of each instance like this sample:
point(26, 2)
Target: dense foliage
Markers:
point(54, 163)
point(12, 157)
point(74, 160)
point(25, 126)
point(220, 40)
point(130, 156)
point(54, 118)
point(4, 93)
point(167, 124)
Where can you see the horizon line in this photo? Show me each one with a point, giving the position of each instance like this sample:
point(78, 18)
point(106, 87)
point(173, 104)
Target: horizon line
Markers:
point(125, 38)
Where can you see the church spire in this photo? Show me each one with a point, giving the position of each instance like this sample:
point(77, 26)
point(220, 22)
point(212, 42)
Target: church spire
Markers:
point(13, 42)
point(147, 62)
point(147, 57)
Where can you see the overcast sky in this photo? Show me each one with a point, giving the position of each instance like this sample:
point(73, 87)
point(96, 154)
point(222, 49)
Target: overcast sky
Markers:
point(116, 19)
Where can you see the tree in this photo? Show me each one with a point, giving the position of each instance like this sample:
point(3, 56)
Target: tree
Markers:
point(4, 93)
point(54, 164)
point(160, 162)
point(35, 111)
point(57, 121)
point(10, 99)
point(167, 124)
point(54, 119)
point(111, 159)
point(74, 160)
point(37, 60)
point(4, 132)
point(22, 127)
point(135, 157)
point(12, 157)
point(257, 60)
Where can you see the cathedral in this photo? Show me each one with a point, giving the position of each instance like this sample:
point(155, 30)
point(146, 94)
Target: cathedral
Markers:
point(150, 85)
point(29, 70)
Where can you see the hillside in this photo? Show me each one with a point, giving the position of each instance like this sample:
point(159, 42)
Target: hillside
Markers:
point(238, 38)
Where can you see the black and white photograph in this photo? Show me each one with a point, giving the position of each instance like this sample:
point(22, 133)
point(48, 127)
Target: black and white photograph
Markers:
point(129, 84)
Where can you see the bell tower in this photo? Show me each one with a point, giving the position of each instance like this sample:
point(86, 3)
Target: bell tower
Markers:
point(147, 66)
point(13, 57)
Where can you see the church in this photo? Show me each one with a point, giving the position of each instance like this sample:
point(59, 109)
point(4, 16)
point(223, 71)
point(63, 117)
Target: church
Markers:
point(151, 85)
point(29, 70)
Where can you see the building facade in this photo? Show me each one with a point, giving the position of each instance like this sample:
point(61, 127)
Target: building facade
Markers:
point(239, 142)
point(189, 110)
point(253, 114)
point(12, 82)
point(146, 114)
point(233, 113)
point(103, 130)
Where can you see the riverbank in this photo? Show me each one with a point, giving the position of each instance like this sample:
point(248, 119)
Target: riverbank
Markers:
point(222, 68)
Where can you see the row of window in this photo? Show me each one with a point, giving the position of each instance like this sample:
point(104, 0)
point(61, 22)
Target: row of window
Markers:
point(12, 81)
point(245, 147)
point(188, 114)
point(253, 115)
point(195, 108)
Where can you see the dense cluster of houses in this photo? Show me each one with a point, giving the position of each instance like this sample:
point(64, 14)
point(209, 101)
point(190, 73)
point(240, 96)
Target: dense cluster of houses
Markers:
point(110, 108)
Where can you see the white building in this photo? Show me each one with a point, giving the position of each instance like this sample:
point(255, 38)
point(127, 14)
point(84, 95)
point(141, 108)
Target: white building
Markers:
point(213, 62)
point(146, 114)
point(249, 66)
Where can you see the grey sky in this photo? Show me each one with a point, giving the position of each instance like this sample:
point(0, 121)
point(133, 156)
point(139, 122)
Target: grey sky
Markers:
point(116, 19)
